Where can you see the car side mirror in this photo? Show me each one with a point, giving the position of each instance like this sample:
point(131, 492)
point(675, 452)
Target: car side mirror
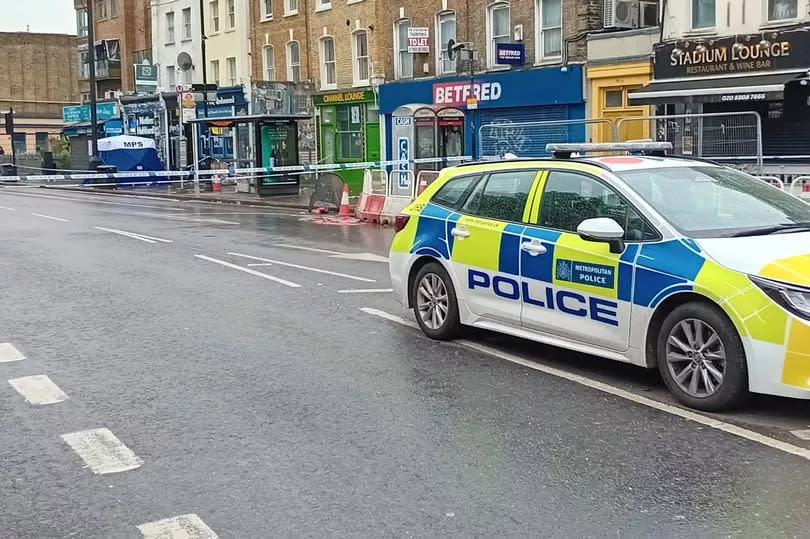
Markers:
point(604, 230)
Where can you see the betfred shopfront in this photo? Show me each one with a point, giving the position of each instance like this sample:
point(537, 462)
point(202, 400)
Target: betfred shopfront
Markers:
point(484, 116)
point(766, 73)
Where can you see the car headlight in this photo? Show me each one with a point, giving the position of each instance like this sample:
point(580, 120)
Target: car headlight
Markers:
point(795, 299)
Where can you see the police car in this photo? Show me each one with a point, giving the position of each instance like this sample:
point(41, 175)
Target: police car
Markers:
point(698, 269)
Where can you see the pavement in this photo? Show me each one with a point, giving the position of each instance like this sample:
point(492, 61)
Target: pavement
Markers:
point(179, 369)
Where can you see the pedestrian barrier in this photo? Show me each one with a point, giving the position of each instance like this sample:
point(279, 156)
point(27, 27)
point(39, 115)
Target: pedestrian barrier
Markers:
point(529, 139)
point(401, 189)
point(773, 180)
point(425, 178)
point(800, 186)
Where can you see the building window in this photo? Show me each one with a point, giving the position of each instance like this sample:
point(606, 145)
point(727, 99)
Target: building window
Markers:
point(113, 8)
point(328, 73)
point(293, 61)
point(81, 22)
point(101, 10)
point(780, 10)
point(214, 9)
point(403, 60)
point(231, 14)
point(231, 63)
point(41, 141)
point(18, 140)
point(498, 26)
point(267, 9)
point(187, 23)
point(360, 66)
point(170, 77)
point(445, 31)
point(84, 65)
point(170, 27)
point(322, 5)
point(215, 71)
point(350, 132)
point(614, 99)
point(290, 7)
point(549, 29)
point(703, 12)
point(269, 58)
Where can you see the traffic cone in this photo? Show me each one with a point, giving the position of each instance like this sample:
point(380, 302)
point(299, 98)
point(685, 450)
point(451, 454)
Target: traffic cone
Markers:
point(344, 201)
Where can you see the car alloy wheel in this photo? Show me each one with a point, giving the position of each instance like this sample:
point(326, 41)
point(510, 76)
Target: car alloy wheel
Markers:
point(432, 301)
point(696, 357)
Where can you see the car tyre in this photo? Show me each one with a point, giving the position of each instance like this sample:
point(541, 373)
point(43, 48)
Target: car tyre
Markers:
point(434, 301)
point(701, 358)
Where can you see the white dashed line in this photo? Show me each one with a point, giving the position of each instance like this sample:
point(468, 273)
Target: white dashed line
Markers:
point(9, 353)
point(250, 271)
point(306, 268)
point(618, 392)
point(102, 451)
point(38, 389)
point(311, 249)
point(365, 290)
point(90, 199)
point(133, 235)
point(180, 527)
point(50, 217)
point(7, 208)
point(361, 257)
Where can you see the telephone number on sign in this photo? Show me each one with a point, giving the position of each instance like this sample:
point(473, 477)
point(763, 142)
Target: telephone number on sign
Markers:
point(743, 97)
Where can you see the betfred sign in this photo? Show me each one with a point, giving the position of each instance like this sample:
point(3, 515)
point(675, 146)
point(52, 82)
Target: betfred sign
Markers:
point(457, 93)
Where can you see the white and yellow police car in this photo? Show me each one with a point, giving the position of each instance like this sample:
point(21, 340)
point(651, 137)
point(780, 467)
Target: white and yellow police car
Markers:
point(697, 268)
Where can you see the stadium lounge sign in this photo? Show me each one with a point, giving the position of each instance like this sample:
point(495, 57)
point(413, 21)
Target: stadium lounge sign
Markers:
point(770, 51)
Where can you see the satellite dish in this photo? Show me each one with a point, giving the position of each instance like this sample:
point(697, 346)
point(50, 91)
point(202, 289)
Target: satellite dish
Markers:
point(184, 61)
point(451, 49)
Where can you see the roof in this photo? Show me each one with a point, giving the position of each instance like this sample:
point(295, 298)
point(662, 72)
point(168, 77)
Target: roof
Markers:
point(612, 163)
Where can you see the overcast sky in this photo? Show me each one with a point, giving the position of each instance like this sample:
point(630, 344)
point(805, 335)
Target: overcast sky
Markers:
point(52, 16)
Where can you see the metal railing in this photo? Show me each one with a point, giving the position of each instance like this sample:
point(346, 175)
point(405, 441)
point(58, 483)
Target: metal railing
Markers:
point(529, 139)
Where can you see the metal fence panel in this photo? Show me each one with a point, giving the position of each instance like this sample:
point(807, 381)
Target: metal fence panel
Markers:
point(529, 139)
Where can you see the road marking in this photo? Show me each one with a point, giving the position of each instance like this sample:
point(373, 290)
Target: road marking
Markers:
point(307, 268)
point(365, 290)
point(259, 264)
point(186, 219)
point(38, 389)
point(250, 271)
point(365, 257)
point(618, 392)
point(102, 451)
point(9, 353)
point(93, 201)
point(50, 217)
point(362, 257)
point(7, 208)
point(180, 527)
point(135, 235)
point(801, 434)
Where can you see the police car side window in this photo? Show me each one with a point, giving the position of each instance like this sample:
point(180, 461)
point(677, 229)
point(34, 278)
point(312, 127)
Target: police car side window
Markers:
point(569, 198)
point(453, 193)
point(501, 196)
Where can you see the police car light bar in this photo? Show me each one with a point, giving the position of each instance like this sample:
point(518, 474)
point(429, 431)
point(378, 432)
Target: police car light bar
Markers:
point(565, 151)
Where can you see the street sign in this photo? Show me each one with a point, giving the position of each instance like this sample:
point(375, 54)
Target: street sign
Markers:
point(146, 76)
point(188, 100)
point(472, 103)
point(418, 40)
point(404, 154)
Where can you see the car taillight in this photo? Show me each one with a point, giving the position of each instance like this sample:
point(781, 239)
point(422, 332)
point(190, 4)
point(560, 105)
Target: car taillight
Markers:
point(400, 221)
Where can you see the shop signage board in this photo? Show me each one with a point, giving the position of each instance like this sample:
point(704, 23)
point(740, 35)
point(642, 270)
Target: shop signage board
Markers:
point(404, 155)
point(510, 54)
point(740, 54)
point(81, 113)
point(146, 76)
point(340, 98)
point(459, 93)
point(418, 40)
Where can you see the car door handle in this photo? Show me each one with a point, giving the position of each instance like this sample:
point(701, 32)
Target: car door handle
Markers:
point(460, 233)
point(533, 248)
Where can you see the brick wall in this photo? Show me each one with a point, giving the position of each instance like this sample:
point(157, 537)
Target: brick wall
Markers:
point(132, 27)
point(276, 33)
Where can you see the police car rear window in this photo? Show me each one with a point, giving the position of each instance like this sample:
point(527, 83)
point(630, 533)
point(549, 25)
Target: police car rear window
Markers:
point(453, 193)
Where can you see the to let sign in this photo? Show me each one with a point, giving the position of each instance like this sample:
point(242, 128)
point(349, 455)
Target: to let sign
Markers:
point(418, 40)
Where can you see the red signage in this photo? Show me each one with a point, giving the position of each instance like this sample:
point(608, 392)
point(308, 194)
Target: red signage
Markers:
point(462, 92)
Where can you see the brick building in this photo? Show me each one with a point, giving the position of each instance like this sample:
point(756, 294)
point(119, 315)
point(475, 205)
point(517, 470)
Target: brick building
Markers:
point(38, 76)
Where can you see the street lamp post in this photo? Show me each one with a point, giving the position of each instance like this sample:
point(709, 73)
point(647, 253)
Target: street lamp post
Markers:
point(91, 58)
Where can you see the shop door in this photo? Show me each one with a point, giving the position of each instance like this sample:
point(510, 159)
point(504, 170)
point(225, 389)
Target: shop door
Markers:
point(372, 142)
point(497, 135)
point(615, 108)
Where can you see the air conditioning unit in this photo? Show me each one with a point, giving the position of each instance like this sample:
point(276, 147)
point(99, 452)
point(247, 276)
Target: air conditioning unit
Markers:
point(649, 13)
point(620, 13)
point(113, 94)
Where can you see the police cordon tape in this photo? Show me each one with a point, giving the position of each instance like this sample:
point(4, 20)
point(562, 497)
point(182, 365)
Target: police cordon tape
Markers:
point(189, 176)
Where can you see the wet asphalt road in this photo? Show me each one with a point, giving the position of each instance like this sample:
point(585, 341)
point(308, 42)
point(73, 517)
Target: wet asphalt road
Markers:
point(269, 410)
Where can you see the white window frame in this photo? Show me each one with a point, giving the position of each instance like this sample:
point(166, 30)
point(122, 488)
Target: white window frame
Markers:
point(691, 9)
point(214, 68)
point(231, 6)
point(267, 15)
point(171, 75)
point(267, 67)
point(187, 27)
point(356, 80)
point(322, 5)
point(398, 51)
point(786, 20)
point(440, 44)
point(290, 65)
point(213, 12)
point(325, 85)
point(170, 28)
point(113, 8)
point(491, 59)
point(289, 9)
point(233, 75)
point(539, 43)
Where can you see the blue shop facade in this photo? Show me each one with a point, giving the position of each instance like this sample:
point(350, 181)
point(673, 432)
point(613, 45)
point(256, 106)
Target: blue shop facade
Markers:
point(484, 116)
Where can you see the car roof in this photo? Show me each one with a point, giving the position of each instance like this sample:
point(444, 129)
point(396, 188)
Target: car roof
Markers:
point(612, 163)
